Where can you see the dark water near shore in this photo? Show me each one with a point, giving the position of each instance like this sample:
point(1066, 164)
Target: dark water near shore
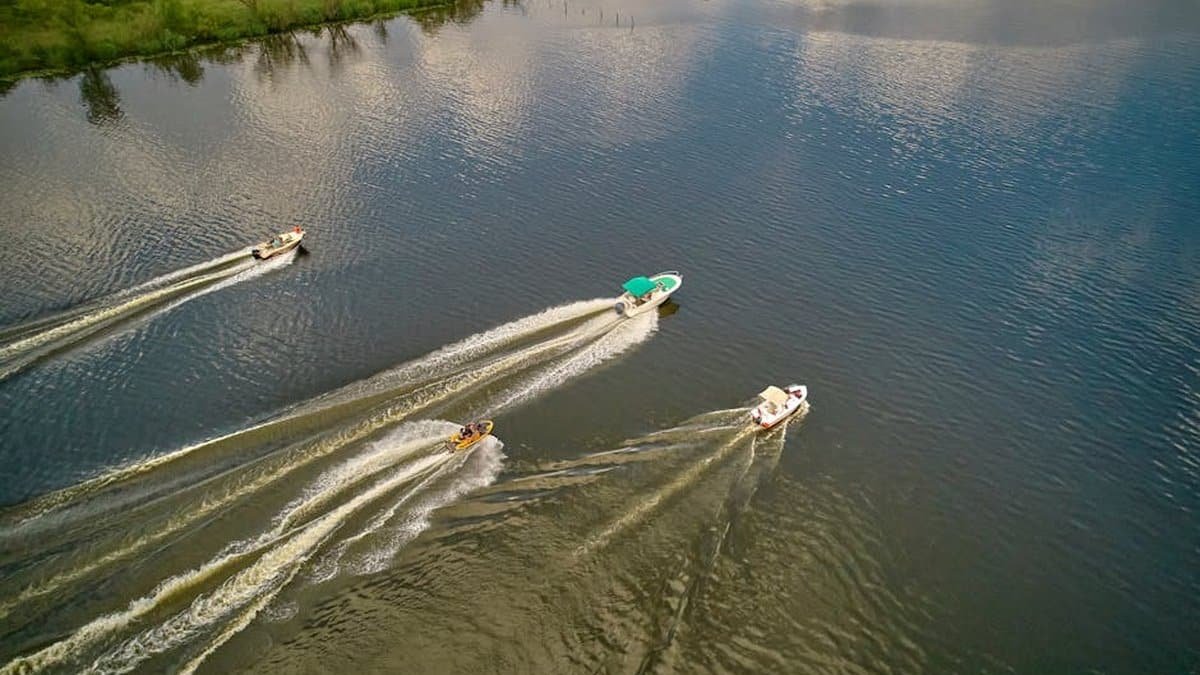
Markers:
point(970, 228)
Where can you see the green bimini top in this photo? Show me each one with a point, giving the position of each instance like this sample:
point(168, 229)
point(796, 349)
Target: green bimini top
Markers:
point(639, 286)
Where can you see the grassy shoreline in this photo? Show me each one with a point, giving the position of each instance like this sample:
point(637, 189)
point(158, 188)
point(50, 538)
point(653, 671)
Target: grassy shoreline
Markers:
point(45, 37)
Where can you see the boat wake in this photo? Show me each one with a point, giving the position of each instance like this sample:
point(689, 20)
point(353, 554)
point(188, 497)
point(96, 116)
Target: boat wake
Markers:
point(24, 345)
point(230, 588)
point(705, 493)
point(625, 545)
point(334, 486)
point(725, 432)
point(683, 457)
point(544, 349)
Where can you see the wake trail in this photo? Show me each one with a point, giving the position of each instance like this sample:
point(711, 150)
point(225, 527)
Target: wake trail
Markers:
point(612, 341)
point(741, 492)
point(211, 504)
point(138, 649)
point(592, 342)
point(544, 478)
point(418, 520)
point(46, 323)
point(639, 512)
point(145, 302)
point(462, 354)
point(476, 471)
point(427, 370)
point(273, 569)
point(121, 303)
point(208, 507)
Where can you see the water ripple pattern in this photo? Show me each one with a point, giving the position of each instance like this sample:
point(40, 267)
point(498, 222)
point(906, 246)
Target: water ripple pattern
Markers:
point(357, 480)
point(968, 227)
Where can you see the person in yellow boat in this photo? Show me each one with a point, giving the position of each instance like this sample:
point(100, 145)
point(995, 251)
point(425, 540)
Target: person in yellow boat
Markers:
point(472, 430)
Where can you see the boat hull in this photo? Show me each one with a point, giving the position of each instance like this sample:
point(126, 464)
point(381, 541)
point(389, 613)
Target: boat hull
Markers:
point(264, 250)
point(765, 418)
point(456, 443)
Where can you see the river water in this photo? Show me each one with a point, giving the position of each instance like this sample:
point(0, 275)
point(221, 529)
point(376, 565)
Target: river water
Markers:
point(969, 227)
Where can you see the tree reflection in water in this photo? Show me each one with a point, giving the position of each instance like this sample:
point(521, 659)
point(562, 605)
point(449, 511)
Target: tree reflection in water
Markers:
point(184, 66)
point(341, 45)
point(100, 97)
point(275, 53)
point(459, 12)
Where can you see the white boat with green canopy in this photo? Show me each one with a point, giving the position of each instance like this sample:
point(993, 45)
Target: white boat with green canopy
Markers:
point(645, 293)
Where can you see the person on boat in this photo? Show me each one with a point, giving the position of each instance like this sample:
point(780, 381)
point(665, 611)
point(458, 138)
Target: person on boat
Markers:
point(296, 229)
point(465, 432)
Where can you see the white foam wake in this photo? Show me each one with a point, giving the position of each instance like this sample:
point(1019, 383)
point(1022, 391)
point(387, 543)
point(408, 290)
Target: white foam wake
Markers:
point(459, 355)
point(255, 586)
point(130, 301)
point(275, 566)
point(490, 458)
point(641, 510)
point(617, 340)
point(305, 523)
point(475, 472)
point(430, 368)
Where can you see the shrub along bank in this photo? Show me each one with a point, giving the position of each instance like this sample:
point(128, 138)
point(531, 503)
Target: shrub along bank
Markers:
point(70, 34)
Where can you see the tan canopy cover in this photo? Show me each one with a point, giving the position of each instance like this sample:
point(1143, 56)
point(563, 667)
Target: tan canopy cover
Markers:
point(774, 395)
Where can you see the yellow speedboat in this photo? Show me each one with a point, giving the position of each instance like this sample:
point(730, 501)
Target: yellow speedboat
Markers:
point(470, 435)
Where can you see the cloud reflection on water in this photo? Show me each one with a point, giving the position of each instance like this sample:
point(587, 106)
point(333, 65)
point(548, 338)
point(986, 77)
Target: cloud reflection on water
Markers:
point(1032, 23)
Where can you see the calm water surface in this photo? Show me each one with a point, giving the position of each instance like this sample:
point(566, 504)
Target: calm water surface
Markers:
point(969, 227)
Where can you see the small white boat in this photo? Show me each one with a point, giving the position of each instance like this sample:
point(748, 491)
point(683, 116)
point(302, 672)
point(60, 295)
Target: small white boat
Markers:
point(280, 243)
point(645, 293)
point(779, 404)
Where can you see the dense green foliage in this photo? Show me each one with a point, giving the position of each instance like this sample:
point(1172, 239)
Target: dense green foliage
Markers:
point(69, 34)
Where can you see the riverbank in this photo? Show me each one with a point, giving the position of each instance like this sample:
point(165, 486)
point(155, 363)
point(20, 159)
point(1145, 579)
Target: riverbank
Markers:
point(63, 35)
